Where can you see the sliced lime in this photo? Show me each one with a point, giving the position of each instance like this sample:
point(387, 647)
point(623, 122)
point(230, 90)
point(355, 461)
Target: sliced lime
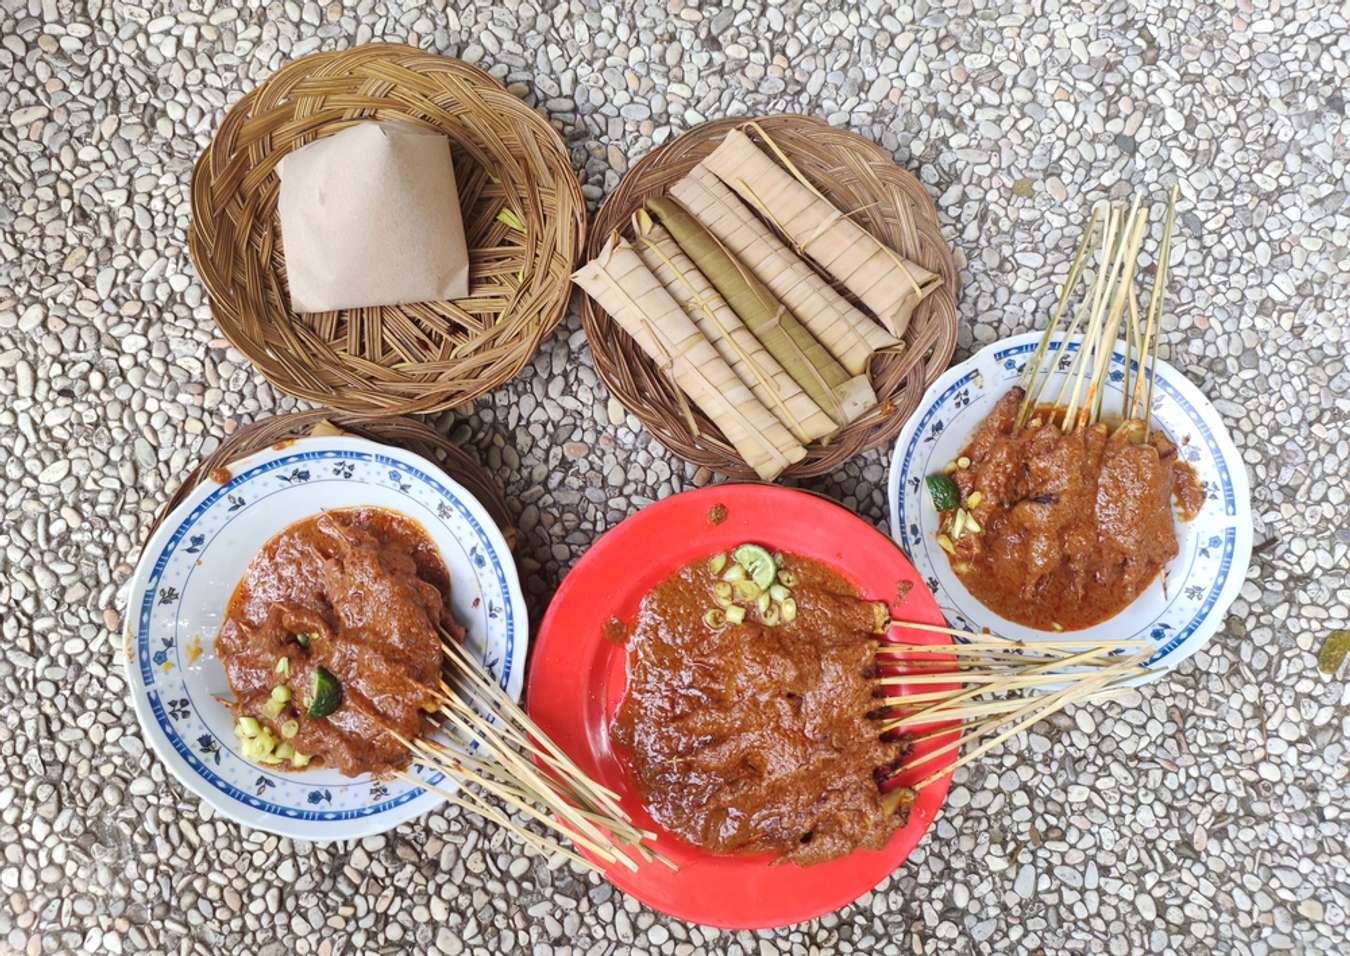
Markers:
point(946, 496)
point(758, 563)
point(327, 694)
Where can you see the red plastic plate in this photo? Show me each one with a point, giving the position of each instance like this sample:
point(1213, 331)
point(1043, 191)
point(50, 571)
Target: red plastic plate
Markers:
point(577, 679)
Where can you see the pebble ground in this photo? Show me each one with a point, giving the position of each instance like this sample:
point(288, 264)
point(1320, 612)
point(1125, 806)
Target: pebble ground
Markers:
point(1206, 814)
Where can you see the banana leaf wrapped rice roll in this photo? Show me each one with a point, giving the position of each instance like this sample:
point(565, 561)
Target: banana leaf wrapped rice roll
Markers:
point(890, 285)
point(842, 395)
point(631, 293)
point(734, 341)
point(850, 335)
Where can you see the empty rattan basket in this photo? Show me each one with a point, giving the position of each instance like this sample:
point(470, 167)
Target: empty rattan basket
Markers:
point(859, 178)
point(391, 360)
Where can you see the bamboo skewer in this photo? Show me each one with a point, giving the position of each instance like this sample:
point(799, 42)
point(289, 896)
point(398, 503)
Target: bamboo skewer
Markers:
point(1111, 311)
point(1039, 709)
point(1045, 647)
point(1001, 683)
point(965, 727)
point(521, 769)
point(443, 755)
point(529, 775)
point(1070, 283)
point(976, 673)
point(469, 722)
point(1159, 285)
point(1091, 345)
point(948, 706)
point(446, 760)
point(545, 847)
point(1037, 665)
point(556, 765)
point(942, 677)
point(626, 831)
point(955, 704)
point(457, 711)
point(1131, 345)
point(1041, 673)
point(589, 835)
point(1124, 291)
point(580, 787)
point(511, 710)
point(931, 714)
point(1002, 713)
point(1105, 257)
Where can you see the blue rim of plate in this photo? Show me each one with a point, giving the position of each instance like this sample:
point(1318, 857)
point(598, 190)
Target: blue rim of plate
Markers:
point(164, 704)
point(1221, 560)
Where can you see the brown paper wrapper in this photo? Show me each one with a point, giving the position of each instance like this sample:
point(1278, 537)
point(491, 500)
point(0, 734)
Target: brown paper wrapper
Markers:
point(370, 216)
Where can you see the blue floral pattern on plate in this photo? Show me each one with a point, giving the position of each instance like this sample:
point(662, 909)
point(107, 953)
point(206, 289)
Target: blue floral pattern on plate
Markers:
point(185, 578)
point(1185, 607)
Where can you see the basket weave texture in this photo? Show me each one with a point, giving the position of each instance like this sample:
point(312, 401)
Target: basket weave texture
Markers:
point(390, 360)
point(859, 178)
point(406, 433)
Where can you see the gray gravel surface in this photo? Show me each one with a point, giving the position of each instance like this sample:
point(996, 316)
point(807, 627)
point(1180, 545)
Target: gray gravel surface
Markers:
point(1206, 814)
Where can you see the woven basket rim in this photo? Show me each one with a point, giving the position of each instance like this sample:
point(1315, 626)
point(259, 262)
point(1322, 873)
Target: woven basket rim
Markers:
point(402, 432)
point(930, 340)
point(239, 264)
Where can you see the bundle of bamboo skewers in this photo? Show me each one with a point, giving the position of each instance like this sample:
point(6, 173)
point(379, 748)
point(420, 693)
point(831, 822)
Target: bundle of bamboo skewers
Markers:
point(992, 688)
point(1110, 309)
point(505, 764)
point(727, 286)
point(1004, 687)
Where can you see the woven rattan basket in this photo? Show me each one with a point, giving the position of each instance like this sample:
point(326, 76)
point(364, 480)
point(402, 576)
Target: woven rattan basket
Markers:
point(858, 177)
point(390, 360)
point(403, 432)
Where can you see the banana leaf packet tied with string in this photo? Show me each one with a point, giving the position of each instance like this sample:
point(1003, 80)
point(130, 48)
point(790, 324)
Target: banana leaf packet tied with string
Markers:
point(635, 297)
point(851, 336)
point(732, 338)
point(888, 284)
point(842, 396)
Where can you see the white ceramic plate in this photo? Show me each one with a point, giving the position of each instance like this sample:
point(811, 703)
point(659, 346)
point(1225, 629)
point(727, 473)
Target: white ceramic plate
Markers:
point(1181, 610)
point(190, 568)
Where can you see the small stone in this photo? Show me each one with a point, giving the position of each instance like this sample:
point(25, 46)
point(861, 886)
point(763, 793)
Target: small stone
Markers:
point(1147, 908)
point(28, 114)
point(1312, 909)
point(54, 472)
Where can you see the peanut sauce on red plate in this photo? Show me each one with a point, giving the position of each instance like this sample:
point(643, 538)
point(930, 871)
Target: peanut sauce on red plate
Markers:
point(748, 738)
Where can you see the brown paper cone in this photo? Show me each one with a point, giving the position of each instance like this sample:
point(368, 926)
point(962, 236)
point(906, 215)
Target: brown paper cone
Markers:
point(370, 216)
